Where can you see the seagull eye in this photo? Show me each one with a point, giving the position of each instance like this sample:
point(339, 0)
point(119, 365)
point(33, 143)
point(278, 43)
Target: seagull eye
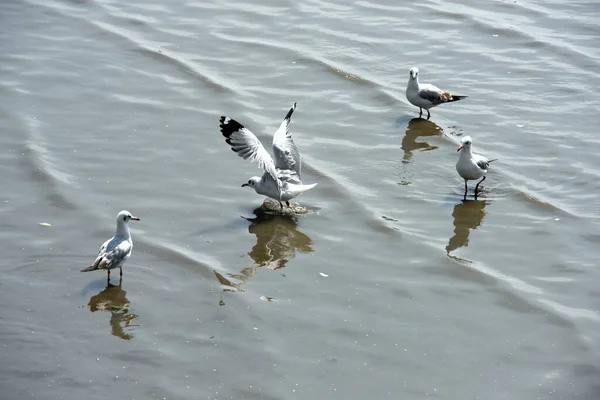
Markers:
point(125, 218)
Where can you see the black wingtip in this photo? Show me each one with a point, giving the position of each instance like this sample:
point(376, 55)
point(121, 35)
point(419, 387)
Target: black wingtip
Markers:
point(289, 114)
point(229, 126)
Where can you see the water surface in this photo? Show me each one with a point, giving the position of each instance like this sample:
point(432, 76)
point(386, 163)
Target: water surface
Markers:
point(391, 286)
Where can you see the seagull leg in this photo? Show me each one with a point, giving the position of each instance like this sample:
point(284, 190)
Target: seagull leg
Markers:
point(466, 189)
point(108, 276)
point(287, 202)
point(428, 115)
point(420, 112)
point(121, 274)
point(280, 205)
point(478, 183)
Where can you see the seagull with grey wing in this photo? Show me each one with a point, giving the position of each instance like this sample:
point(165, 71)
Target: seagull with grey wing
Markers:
point(281, 179)
point(115, 251)
point(471, 166)
point(425, 95)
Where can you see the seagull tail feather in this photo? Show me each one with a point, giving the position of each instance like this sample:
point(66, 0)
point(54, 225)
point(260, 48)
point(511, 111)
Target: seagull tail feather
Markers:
point(456, 98)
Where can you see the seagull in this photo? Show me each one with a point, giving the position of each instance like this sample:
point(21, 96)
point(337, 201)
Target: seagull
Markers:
point(471, 166)
point(281, 179)
point(116, 250)
point(426, 96)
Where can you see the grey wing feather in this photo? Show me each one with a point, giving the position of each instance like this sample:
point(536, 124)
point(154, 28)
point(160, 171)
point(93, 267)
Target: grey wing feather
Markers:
point(431, 93)
point(287, 156)
point(113, 258)
point(247, 145)
point(101, 254)
point(483, 164)
point(103, 247)
point(288, 176)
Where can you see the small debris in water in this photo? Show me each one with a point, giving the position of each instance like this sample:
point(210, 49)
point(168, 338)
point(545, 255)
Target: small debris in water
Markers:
point(44, 224)
point(323, 275)
point(266, 298)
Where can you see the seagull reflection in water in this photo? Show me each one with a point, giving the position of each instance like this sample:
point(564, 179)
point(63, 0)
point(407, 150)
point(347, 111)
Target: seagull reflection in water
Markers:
point(277, 241)
point(418, 127)
point(113, 299)
point(468, 215)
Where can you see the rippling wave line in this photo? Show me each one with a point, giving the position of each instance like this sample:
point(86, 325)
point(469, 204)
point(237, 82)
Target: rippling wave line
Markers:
point(171, 59)
point(176, 254)
point(141, 47)
point(564, 49)
point(40, 165)
point(519, 289)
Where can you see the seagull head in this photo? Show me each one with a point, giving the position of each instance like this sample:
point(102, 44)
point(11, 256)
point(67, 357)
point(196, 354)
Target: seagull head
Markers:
point(125, 216)
point(465, 143)
point(414, 73)
point(252, 182)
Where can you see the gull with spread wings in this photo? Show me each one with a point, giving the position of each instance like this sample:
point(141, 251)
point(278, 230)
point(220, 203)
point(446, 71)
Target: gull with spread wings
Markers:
point(426, 95)
point(281, 179)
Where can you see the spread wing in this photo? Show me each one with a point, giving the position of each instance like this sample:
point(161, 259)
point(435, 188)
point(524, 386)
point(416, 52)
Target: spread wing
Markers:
point(247, 145)
point(286, 153)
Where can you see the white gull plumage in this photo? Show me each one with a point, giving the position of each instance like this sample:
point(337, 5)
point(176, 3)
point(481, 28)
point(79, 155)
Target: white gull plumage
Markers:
point(471, 166)
point(425, 95)
point(116, 250)
point(281, 180)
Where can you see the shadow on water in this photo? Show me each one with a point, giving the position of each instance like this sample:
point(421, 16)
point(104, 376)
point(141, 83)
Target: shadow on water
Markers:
point(113, 299)
point(468, 215)
point(277, 241)
point(418, 127)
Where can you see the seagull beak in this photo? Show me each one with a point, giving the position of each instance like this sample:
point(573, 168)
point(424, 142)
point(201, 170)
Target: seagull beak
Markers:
point(135, 219)
point(459, 149)
point(244, 184)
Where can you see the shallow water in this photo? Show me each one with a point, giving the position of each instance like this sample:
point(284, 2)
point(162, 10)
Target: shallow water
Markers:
point(390, 286)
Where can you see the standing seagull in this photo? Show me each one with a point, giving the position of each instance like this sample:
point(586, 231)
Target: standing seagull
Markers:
point(471, 166)
point(115, 251)
point(281, 180)
point(426, 96)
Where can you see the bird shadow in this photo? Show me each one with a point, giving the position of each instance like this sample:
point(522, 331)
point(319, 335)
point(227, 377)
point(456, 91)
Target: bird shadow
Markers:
point(416, 128)
point(467, 216)
point(278, 240)
point(113, 299)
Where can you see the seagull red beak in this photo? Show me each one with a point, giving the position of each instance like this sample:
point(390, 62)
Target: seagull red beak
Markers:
point(135, 219)
point(459, 149)
point(244, 184)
